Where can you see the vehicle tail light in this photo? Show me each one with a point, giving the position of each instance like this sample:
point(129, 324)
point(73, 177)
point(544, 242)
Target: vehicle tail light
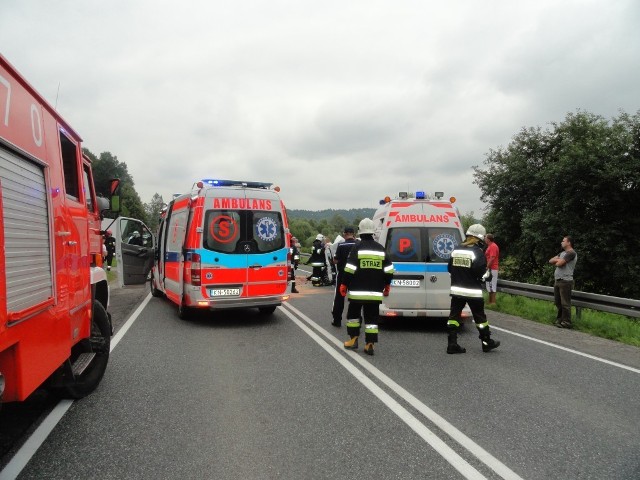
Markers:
point(290, 275)
point(196, 272)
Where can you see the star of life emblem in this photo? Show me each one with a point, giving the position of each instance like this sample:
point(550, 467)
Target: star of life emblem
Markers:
point(267, 229)
point(443, 245)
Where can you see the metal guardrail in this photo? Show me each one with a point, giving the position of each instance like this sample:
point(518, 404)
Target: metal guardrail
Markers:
point(603, 303)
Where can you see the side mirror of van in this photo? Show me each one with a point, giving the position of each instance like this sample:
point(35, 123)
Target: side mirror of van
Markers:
point(114, 197)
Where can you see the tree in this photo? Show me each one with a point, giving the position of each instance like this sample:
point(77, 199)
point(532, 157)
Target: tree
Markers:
point(107, 167)
point(579, 178)
point(153, 210)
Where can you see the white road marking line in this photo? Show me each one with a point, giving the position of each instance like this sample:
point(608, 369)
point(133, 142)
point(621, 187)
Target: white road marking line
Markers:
point(459, 463)
point(35, 441)
point(560, 347)
point(466, 442)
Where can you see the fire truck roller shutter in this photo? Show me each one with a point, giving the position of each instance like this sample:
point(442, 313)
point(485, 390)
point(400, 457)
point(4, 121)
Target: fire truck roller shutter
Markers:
point(26, 231)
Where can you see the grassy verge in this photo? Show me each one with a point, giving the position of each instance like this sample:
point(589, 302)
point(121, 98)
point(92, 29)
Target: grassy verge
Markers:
point(600, 324)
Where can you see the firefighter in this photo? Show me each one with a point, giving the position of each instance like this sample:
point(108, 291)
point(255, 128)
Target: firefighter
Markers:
point(110, 245)
point(317, 261)
point(367, 278)
point(295, 261)
point(468, 269)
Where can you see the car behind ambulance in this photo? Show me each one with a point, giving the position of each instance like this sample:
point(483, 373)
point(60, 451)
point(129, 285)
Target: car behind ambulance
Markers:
point(225, 245)
point(419, 233)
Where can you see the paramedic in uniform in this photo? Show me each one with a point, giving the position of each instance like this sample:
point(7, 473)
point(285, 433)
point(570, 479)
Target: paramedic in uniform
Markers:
point(340, 259)
point(468, 269)
point(366, 279)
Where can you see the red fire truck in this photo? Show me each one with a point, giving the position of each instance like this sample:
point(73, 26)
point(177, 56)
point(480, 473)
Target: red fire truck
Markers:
point(54, 325)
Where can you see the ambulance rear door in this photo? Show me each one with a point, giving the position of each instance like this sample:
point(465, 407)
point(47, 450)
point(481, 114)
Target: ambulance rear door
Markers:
point(172, 251)
point(267, 264)
point(225, 249)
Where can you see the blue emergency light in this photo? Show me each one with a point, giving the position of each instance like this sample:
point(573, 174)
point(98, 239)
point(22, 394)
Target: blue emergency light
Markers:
point(420, 195)
point(215, 182)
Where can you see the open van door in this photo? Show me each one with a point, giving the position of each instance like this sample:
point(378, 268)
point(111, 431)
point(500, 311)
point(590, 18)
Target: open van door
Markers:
point(135, 248)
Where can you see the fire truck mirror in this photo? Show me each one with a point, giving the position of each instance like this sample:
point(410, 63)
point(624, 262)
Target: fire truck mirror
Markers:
point(115, 204)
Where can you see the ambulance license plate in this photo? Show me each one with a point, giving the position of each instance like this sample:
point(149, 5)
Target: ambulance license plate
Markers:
point(224, 292)
point(405, 283)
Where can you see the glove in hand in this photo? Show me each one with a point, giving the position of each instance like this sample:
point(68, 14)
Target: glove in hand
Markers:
point(387, 289)
point(343, 290)
point(487, 276)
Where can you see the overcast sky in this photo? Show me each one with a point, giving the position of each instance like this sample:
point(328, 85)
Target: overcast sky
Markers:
point(338, 102)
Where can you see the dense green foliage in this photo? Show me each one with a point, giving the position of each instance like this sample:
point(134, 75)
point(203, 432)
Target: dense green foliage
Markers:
point(580, 178)
point(106, 167)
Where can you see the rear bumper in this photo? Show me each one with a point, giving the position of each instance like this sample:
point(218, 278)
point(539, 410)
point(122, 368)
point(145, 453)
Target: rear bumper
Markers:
point(431, 313)
point(239, 302)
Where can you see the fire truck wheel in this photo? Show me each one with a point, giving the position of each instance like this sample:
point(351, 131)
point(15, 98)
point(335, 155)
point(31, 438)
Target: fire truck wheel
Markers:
point(99, 343)
point(267, 310)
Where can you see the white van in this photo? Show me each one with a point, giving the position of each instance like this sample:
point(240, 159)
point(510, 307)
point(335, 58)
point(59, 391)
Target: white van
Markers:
point(419, 233)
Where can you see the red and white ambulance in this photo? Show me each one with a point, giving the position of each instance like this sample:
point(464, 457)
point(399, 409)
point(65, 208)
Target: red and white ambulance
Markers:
point(54, 295)
point(224, 245)
point(419, 232)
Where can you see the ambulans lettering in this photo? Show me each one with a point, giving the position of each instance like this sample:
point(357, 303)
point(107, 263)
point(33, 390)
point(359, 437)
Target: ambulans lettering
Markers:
point(414, 218)
point(241, 204)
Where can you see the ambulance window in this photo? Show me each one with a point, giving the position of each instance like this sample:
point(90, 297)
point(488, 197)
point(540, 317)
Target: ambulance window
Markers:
point(441, 243)
point(69, 150)
point(267, 230)
point(404, 244)
point(222, 230)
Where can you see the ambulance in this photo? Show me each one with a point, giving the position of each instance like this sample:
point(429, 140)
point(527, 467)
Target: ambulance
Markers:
point(224, 245)
point(419, 232)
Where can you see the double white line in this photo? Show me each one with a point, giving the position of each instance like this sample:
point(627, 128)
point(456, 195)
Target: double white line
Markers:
point(459, 463)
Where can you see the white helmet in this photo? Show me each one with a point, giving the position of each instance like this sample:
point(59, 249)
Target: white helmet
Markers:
point(477, 230)
point(366, 225)
point(320, 237)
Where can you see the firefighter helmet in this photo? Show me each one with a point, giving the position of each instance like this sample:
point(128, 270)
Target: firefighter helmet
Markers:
point(365, 226)
point(477, 230)
point(320, 237)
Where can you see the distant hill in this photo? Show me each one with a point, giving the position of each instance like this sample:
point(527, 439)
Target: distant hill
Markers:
point(328, 214)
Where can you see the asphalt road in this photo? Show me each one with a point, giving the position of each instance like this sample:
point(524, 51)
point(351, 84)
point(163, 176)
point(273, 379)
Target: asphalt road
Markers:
point(240, 395)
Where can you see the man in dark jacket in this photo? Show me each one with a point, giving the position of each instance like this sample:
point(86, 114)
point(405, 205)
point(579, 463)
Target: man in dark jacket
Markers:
point(340, 260)
point(468, 269)
point(318, 261)
point(367, 278)
point(110, 244)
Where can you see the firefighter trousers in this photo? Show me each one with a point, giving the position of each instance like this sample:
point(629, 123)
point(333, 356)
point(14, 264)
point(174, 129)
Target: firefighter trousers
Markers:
point(370, 311)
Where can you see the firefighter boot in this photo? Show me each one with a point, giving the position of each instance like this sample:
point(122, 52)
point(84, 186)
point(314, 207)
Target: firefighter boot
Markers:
point(351, 344)
point(453, 346)
point(488, 343)
point(452, 328)
point(370, 337)
point(293, 288)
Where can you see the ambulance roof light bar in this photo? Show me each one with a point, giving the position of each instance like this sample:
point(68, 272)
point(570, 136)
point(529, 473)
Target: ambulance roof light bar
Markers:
point(216, 182)
point(439, 195)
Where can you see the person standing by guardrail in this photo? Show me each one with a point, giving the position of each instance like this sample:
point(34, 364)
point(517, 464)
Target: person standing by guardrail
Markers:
point(492, 253)
point(565, 263)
